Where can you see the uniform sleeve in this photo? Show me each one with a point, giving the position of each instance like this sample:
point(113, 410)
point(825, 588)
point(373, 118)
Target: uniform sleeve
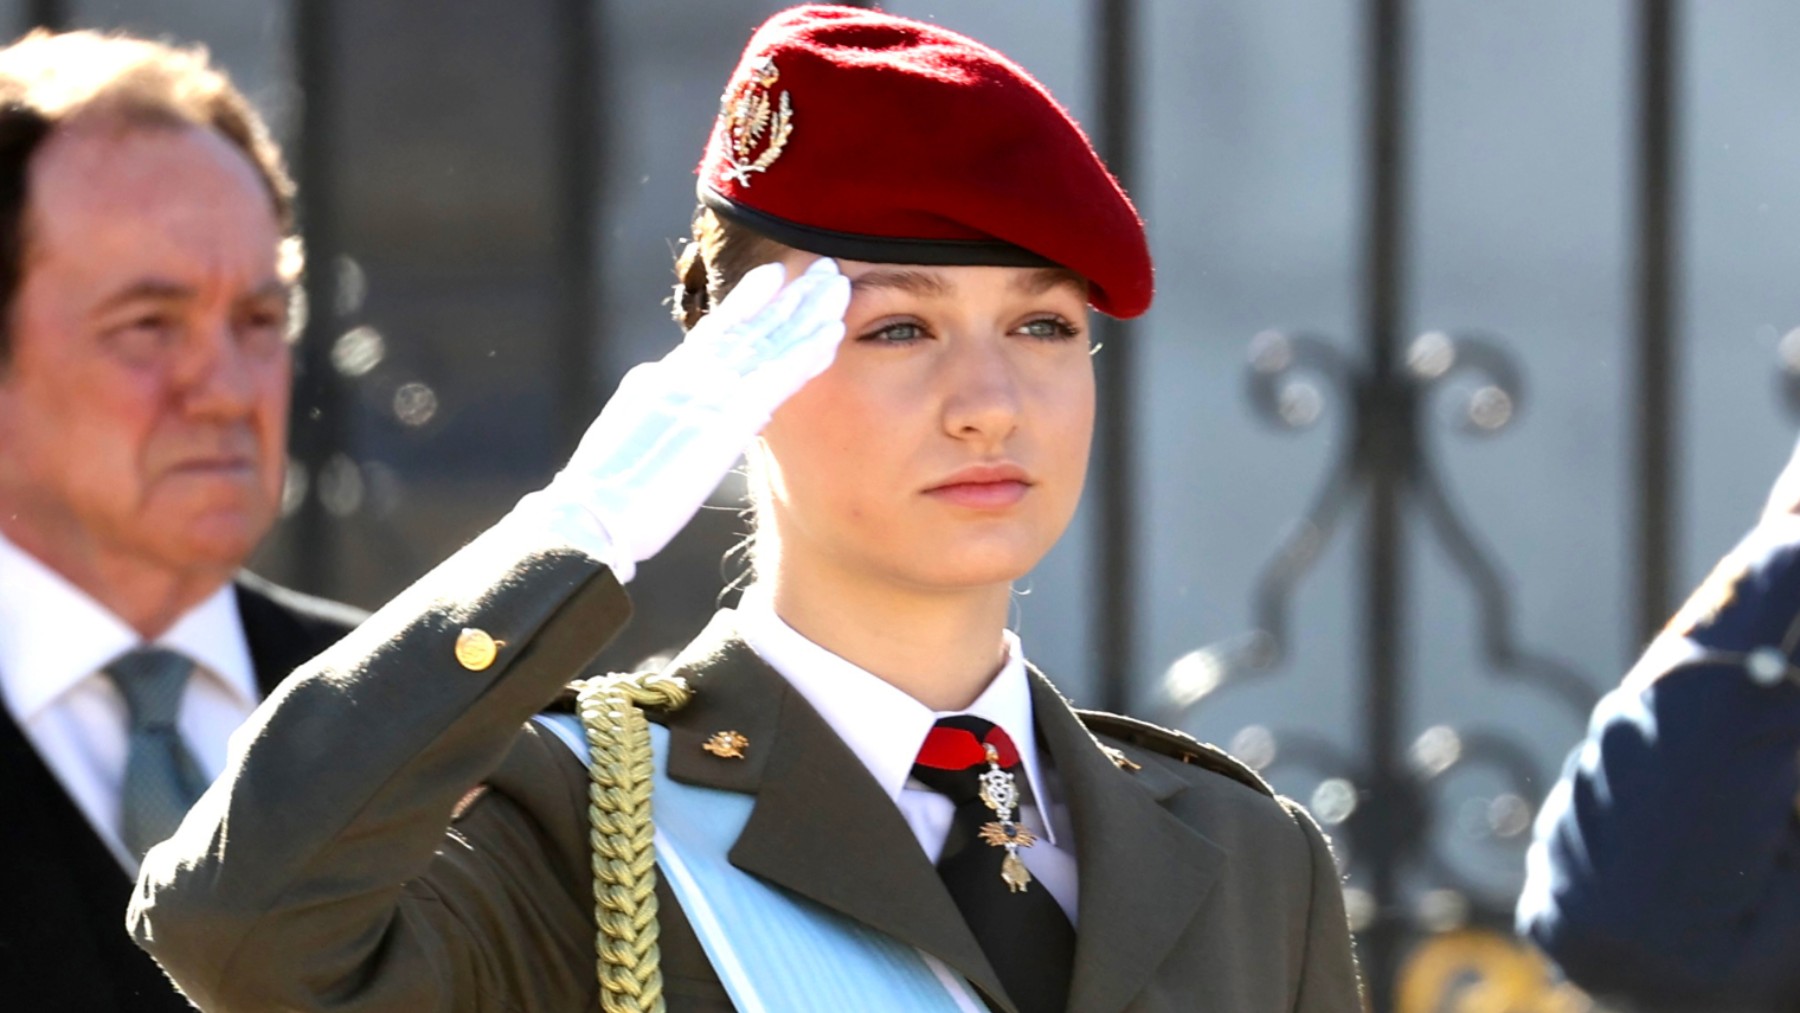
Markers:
point(1329, 982)
point(1666, 864)
point(317, 873)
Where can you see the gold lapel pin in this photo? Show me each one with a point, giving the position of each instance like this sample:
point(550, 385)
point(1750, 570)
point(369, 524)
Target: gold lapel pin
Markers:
point(1119, 759)
point(726, 745)
point(476, 648)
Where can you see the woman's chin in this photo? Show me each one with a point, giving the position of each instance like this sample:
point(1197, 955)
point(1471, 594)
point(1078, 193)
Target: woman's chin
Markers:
point(969, 571)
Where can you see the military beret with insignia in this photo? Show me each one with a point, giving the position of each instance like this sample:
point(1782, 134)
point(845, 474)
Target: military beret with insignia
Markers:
point(857, 134)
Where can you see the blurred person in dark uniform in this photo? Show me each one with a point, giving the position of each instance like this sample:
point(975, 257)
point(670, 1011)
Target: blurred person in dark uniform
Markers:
point(1665, 874)
point(861, 795)
point(146, 268)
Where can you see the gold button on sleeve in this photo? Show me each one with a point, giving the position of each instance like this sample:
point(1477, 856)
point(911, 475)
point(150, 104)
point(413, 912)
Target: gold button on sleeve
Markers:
point(476, 649)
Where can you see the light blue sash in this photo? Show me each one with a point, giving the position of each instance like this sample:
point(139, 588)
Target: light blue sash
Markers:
point(774, 950)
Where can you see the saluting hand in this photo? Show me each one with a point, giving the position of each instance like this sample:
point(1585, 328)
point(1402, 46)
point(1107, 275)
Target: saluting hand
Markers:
point(675, 427)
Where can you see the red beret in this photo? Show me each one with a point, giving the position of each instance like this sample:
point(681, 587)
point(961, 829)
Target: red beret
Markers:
point(857, 134)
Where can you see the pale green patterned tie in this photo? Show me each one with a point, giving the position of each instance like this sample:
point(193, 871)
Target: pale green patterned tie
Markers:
point(161, 778)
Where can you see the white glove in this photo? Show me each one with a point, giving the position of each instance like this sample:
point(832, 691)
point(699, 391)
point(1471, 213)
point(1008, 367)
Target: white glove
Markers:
point(675, 427)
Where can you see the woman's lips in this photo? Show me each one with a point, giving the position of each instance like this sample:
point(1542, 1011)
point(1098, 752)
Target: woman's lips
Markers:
point(983, 487)
point(981, 495)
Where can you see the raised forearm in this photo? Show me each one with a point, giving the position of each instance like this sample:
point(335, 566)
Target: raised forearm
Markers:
point(342, 784)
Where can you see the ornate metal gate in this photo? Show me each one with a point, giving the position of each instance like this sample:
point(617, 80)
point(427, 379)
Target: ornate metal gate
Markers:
point(434, 389)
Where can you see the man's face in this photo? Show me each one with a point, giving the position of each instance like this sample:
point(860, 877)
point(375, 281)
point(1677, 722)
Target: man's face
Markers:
point(143, 412)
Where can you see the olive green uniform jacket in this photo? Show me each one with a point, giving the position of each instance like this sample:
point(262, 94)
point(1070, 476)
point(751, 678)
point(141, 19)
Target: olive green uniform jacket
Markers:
point(392, 836)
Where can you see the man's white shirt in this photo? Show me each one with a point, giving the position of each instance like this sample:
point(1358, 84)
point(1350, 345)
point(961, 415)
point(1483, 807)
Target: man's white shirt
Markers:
point(54, 642)
point(885, 728)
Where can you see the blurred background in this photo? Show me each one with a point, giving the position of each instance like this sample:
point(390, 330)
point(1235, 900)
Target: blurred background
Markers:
point(1475, 345)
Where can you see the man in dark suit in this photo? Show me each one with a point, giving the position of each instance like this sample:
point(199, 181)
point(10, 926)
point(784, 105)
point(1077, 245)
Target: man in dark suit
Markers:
point(1666, 871)
point(146, 269)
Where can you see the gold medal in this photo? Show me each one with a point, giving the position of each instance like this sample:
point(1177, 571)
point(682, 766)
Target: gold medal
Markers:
point(1000, 792)
point(1002, 834)
point(1014, 873)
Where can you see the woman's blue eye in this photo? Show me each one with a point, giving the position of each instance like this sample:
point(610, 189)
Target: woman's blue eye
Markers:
point(897, 334)
point(1049, 328)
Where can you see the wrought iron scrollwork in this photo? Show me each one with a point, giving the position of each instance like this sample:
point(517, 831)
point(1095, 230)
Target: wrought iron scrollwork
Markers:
point(1294, 381)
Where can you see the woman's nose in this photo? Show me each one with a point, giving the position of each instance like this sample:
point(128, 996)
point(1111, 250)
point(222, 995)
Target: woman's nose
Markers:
point(983, 400)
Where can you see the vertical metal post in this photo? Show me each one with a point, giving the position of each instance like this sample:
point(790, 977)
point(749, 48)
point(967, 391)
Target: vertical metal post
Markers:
point(582, 184)
point(318, 424)
point(1653, 394)
point(1115, 487)
point(1385, 445)
point(51, 14)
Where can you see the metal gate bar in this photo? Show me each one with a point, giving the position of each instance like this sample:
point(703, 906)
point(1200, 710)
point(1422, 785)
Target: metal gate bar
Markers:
point(1115, 488)
point(1657, 264)
point(320, 413)
point(1385, 444)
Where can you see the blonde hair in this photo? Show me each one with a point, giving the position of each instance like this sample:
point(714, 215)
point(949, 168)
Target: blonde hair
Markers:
point(714, 260)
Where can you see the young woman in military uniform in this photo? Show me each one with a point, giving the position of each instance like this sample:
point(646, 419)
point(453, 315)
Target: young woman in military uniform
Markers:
point(852, 792)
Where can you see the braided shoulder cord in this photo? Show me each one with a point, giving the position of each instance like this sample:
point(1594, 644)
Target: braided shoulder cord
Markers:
point(621, 834)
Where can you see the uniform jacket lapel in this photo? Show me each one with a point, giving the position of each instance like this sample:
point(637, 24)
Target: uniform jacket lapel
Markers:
point(821, 826)
point(1144, 873)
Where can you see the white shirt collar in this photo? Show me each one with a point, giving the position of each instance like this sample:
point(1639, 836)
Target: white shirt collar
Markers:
point(880, 723)
point(53, 635)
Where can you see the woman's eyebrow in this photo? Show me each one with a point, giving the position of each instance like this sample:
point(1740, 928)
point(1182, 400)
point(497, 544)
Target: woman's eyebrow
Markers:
point(924, 284)
point(1046, 278)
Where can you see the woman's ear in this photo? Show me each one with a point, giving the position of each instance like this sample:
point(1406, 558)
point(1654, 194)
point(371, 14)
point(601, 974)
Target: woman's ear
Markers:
point(756, 471)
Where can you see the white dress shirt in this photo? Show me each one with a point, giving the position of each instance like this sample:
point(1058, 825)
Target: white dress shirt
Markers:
point(885, 728)
point(54, 641)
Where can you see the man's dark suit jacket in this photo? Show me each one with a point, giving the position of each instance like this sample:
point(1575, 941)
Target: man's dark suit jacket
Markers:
point(326, 874)
point(63, 944)
point(1666, 869)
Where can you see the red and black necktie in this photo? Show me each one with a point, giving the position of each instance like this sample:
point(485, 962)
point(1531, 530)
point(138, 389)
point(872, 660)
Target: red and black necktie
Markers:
point(1021, 928)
